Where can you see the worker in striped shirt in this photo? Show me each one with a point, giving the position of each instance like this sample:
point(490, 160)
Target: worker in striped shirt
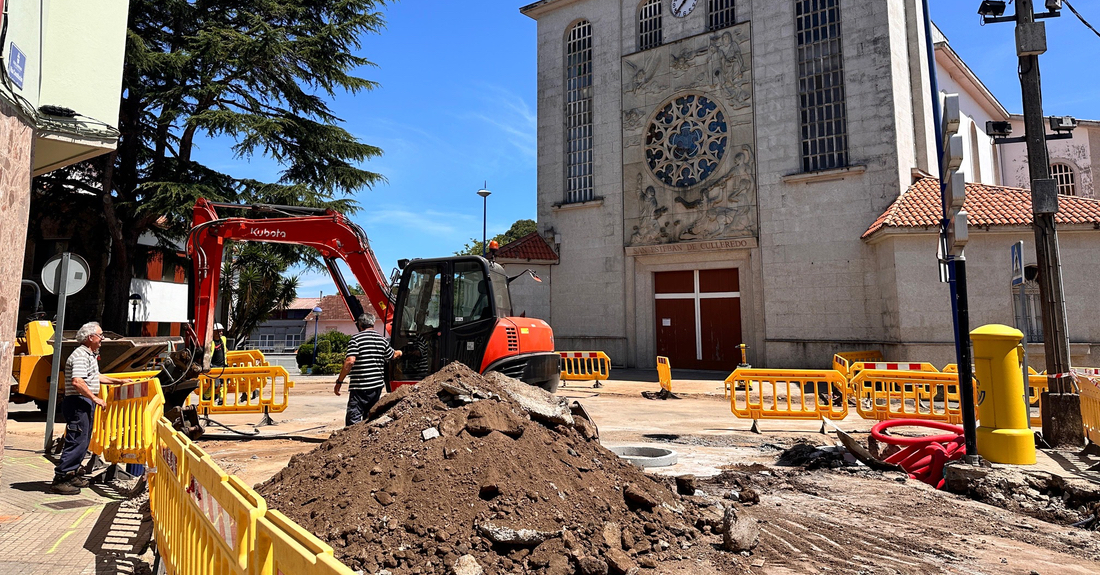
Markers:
point(365, 363)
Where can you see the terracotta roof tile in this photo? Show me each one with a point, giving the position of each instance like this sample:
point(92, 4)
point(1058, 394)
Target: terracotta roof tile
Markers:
point(530, 247)
point(334, 309)
point(920, 207)
point(303, 303)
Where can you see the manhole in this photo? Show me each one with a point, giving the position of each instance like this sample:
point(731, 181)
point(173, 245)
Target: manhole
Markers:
point(69, 504)
point(646, 456)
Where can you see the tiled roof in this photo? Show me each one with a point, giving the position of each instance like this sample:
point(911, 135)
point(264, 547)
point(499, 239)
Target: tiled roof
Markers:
point(303, 303)
point(334, 309)
point(530, 247)
point(920, 207)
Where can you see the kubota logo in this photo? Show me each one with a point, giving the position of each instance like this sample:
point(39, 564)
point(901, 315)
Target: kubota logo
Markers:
point(265, 233)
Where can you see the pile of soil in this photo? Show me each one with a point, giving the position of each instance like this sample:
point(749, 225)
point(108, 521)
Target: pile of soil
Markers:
point(455, 470)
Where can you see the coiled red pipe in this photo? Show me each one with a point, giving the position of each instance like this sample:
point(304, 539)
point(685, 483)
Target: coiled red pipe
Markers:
point(923, 458)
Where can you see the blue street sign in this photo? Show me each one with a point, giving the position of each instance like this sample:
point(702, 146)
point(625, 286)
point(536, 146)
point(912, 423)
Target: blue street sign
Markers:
point(17, 64)
point(1017, 263)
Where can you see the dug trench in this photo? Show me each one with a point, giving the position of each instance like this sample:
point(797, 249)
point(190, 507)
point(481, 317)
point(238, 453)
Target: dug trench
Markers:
point(512, 484)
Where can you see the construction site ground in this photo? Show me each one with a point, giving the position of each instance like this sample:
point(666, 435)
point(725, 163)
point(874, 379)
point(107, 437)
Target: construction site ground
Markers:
point(847, 520)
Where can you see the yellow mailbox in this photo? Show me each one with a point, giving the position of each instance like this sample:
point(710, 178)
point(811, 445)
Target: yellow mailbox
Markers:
point(1004, 436)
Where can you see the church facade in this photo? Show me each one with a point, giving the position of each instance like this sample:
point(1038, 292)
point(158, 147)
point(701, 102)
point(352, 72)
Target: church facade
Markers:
point(708, 171)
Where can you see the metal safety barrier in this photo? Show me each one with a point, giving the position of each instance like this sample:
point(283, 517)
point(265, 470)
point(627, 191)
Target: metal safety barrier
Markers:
point(886, 394)
point(123, 431)
point(664, 373)
point(585, 366)
point(259, 389)
point(245, 358)
point(801, 394)
point(843, 361)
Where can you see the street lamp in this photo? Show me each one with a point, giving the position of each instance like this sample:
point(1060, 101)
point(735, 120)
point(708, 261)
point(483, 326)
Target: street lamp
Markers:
point(316, 342)
point(484, 213)
point(135, 299)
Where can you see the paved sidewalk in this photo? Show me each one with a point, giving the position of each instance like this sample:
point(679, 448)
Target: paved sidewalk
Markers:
point(98, 532)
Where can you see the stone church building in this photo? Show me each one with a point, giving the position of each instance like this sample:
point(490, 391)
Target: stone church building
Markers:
point(718, 172)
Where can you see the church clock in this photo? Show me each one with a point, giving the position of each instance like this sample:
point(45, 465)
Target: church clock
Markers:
point(681, 8)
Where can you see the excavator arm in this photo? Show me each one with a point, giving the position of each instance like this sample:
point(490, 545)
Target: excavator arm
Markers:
point(327, 231)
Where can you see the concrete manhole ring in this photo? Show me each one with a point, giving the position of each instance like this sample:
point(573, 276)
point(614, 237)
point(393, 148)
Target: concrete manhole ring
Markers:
point(646, 456)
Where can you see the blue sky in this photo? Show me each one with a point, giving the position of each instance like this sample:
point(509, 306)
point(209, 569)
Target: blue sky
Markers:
point(457, 101)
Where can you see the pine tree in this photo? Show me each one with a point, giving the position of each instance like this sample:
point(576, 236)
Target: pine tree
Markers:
point(258, 71)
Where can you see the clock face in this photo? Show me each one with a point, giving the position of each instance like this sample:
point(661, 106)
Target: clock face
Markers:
point(681, 8)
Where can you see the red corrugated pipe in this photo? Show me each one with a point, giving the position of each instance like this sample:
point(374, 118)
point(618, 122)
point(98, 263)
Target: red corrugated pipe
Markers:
point(923, 458)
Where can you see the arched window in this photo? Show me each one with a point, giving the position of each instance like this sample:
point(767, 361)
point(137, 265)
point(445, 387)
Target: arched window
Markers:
point(649, 25)
point(719, 14)
point(975, 157)
point(1063, 174)
point(578, 113)
point(824, 116)
point(995, 153)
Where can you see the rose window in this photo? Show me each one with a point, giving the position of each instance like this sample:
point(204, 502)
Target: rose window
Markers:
point(686, 141)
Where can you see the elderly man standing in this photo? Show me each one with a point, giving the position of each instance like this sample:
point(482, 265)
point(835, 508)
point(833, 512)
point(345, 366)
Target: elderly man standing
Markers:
point(82, 379)
point(368, 352)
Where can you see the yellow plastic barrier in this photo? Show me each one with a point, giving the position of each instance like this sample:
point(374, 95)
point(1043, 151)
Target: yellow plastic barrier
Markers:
point(891, 366)
point(843, 361)
point(282, 547)
point(1090, 405)
point(954, 368)
point(664, 373)
point(124, 431)
point(585, 366)
point(882, 395)
point(270, 383)
point(245, 358)
point(800, 394)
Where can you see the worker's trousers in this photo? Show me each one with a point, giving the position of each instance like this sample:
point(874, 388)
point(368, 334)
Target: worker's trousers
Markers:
point(359, 403)
point(78, 413)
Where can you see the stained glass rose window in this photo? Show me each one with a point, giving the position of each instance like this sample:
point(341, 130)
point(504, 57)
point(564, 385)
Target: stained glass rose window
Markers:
point(686, 141)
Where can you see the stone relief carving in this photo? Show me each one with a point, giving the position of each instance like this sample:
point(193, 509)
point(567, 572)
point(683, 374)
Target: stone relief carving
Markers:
point(632, 119)
point(718, 212)
point(722, 69)
point(637, 78)
point(649, 230)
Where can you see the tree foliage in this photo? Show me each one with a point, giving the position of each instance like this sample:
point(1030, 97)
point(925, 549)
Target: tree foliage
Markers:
point(519, 229)
point(253, 286)
point(259, 72)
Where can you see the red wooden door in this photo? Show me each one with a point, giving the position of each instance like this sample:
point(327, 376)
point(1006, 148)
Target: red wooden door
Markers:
point(698, 316)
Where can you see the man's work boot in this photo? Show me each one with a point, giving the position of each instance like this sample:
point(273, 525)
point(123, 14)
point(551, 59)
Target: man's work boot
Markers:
point(255, 394)
point(79, 479)
point(63, 485)
point(244, 397)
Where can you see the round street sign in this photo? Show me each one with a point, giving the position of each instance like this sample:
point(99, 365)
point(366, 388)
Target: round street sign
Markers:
point(78, 274)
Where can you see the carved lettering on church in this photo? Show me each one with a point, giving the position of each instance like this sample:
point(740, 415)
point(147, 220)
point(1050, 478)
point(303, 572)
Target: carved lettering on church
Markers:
point(692, 247)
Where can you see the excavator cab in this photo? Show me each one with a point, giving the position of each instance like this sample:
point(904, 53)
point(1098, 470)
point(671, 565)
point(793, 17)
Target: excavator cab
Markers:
point(447, 310)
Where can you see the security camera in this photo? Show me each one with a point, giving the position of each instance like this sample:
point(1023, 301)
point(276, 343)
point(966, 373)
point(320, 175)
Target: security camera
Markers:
point(1063, 123)
point(998, 129)
point(1054, 5)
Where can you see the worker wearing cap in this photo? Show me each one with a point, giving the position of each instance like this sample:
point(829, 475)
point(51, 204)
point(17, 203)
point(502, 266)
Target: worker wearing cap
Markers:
point(368, 352)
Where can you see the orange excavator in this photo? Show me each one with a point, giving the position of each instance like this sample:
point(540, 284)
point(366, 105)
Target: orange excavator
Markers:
point(436, 310)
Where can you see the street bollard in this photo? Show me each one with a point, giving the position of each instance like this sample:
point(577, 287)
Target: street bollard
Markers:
point(1004, 436)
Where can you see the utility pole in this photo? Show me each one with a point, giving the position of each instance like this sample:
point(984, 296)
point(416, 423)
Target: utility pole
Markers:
point(1061, 411)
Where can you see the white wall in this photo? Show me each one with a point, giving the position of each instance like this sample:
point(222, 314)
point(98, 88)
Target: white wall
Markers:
point(161, 301)
point(1077, 152)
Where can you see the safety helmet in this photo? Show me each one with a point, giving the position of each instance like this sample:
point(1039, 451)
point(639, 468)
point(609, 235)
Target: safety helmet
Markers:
point(218, 327)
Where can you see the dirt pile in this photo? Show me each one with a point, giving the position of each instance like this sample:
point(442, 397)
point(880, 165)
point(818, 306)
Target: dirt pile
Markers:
point(455, 471)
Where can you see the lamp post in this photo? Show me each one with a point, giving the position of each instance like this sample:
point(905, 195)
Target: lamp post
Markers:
point(135, 299)
point(484, 213)
point(316, 342)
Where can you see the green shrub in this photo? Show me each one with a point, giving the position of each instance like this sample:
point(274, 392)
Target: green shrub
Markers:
point(304, 356)
point(332, 346)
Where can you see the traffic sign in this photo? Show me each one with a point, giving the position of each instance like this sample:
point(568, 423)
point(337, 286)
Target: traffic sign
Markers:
point(1017, 263)
point(77, 277)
